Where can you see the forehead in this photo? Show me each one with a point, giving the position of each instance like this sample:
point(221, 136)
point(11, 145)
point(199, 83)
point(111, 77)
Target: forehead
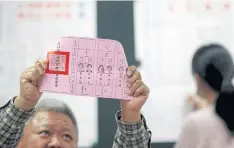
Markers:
point(53, 121)
point(50, 118)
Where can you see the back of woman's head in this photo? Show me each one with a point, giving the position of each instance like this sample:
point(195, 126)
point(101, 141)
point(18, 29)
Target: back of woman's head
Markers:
point(212, 63)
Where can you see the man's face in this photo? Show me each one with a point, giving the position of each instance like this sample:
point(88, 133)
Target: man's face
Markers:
point(89, 67)
point(80, 66)
point(109, 69)
point(49, 130)
point(101, 69)
point(121, 70)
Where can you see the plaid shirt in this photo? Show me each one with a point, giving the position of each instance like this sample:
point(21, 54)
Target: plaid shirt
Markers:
point(12, 121)
point(132, 135)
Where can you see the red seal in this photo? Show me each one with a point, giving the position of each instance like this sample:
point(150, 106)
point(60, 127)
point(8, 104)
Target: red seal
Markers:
point(58, 62)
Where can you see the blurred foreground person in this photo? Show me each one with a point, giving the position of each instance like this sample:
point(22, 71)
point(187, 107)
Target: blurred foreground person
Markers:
point(52, 125)
point(225, 107)
point(197, 102)
point(211, 64)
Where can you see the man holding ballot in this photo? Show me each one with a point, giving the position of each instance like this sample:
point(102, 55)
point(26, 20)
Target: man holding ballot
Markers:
point(21, 123)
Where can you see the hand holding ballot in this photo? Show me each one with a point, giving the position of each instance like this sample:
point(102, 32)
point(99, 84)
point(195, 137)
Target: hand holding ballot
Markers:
point(30, 81)
point(85, 67)
point(139, 91)
point(79, 67)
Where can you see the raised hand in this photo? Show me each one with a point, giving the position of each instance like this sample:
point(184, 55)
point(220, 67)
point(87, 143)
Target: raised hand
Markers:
point(30, 81)
point(139, 91)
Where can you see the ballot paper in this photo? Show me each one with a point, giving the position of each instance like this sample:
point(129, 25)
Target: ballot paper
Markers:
point(87, 67)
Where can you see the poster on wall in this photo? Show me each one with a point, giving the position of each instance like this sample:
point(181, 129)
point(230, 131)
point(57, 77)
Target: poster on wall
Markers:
point(167, 33)
point(28, 31)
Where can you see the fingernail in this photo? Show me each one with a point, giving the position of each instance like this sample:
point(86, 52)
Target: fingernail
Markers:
point(44, 65)
point(128, 91)
point(129, 73)
point(41, 72)
point(129, 84)
point(129, 81)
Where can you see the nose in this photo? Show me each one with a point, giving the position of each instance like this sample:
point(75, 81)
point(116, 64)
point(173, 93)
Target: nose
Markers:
point(55, 142)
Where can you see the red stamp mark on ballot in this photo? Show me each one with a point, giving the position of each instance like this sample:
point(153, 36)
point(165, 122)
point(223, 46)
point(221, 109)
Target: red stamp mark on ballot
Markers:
point(58, 62)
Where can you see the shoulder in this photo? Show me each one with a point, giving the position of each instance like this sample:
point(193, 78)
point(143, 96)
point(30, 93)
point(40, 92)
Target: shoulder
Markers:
point(201, 119)
point(191, 131)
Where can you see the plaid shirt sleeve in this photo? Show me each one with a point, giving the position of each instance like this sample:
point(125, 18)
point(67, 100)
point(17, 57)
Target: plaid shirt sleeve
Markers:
point(133, 135)
point(12, 121)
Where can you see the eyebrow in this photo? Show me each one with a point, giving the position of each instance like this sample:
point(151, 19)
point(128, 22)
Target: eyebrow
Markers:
point(67, 129)
point(63, 127)
point(44, 125)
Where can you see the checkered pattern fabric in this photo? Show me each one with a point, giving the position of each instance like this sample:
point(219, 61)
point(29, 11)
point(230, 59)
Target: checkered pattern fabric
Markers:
point(134, 135)
point(12, 121)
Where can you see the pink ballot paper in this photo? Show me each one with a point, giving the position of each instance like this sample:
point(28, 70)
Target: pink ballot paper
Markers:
point(87, 67)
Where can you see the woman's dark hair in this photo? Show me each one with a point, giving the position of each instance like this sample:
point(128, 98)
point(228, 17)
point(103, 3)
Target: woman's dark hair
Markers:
point(225, 102)
point(212, 63)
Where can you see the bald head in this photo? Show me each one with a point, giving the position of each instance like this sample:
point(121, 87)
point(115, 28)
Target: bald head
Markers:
point(52, 125)
point(54, 105)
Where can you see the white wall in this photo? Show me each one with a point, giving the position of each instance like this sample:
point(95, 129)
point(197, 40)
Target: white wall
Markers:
point(167, 34)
